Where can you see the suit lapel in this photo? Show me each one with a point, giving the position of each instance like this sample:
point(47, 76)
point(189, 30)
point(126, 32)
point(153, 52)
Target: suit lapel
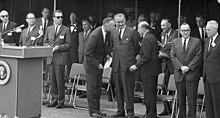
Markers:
point(29, 35)
point(124, 34)
point(189, 44)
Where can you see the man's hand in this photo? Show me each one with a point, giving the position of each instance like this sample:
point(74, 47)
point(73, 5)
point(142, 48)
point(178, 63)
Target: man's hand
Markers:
point(100, 66)
point(138, 57)
point(162, 54)
point(55, 48)
point(184, 69)
point(108, 56)
point(133, 68)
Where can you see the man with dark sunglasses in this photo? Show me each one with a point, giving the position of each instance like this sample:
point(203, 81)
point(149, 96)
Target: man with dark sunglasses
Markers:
point(9, 38)
point(58, 37)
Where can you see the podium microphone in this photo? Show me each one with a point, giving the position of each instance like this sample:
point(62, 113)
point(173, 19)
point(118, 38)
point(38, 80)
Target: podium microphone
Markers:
point(13, 29)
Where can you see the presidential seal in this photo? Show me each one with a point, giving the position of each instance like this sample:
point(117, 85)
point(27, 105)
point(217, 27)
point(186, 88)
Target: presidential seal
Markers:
point(4, 73)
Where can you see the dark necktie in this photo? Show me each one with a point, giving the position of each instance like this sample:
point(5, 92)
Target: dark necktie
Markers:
point(210, 43)
point(29, 30)
point(45, 23)
point(55, 34)
point(184, 45)
point(202, 33)
point(3, 28)
point(166, 37)
point(85, 34)
point(119, 37)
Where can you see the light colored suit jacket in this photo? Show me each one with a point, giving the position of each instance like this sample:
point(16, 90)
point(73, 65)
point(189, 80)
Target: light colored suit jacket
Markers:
point(61, 39)
point(31, 38)
point(83, 41)
point(191, 58)
point(126, 50)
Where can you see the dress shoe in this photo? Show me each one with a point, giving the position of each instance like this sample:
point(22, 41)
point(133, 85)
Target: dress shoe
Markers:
point(60, 105)
point(118, 114)
point(53, 104)
point(96, 115)
point(102, 114)
point(83, 96)
point(164, 113)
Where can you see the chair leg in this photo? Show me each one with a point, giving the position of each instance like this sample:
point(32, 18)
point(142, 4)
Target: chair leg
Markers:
point(113, 100)
point(203, 101)
point(71, 95)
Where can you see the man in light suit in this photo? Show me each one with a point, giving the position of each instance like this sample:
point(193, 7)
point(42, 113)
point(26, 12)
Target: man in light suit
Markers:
point(149, 65)
point(44, 21)
point(167, 36)
point(58, 37)
point(31, 35)
point(97, 50)
point(9, 38)
point(125, 42)
point(186, 55)
point(83, 39)
point(211, 69)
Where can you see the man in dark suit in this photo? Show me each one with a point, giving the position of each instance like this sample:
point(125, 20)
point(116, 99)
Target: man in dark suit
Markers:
point(75, 28)
point(186, 55)
point(9, 38)
point(58, 37)
point(31, 35)
point(44, 21)
point(211, 69)
point(97, 49)
point(167, 36)
point(199, 32)
point(149, 65)
point(94, 21)
point(125, 42)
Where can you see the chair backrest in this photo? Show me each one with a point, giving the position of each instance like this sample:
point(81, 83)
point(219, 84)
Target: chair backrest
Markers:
point(201, 87)
point(77, 69)
point(106, 75)
point(160, 79)
point(171, 85)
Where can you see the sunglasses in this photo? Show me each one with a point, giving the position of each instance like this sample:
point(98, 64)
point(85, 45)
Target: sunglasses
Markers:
point(58, 17)
point(4, 15)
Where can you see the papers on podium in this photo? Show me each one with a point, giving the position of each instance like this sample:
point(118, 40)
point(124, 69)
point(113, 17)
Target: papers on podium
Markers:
point(108, 63)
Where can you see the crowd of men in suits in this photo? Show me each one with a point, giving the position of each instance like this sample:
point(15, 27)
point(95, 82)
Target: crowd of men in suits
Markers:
point(150, 48)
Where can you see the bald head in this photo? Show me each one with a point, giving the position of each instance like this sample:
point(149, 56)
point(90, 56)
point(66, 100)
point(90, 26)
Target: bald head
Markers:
point(4, 16)
point(211, 28)
point(143, 27)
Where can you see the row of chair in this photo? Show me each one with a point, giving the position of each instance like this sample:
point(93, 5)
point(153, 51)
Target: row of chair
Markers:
point(172, 98)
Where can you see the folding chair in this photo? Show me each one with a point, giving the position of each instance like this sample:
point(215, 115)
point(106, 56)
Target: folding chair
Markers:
point(170, 98)
point(77, 73)
point(160, 84)
point(106, 77)
point(200, 102)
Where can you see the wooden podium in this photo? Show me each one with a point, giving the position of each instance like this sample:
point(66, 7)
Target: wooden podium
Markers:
point(21, 95)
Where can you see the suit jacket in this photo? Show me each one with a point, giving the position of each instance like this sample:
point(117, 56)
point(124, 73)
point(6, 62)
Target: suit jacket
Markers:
point(149, 61)
point(39, 21)
point(61, 39)
point(191, 58)
point(32, 38)
point(126, 50)
point(83, 41)
point(211, 59)
point(9, 37)
point(73, 51)
point(96, 51)
point(196, 33)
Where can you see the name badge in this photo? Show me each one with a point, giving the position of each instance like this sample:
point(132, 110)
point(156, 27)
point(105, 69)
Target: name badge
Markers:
point(61, 37)
point(9, 34)
point(33, 38)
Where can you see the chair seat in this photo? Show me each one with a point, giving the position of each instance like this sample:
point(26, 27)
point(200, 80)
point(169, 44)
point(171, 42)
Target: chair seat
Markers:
point(165, 97)
point(46, 83)
point(68, 85)
point(139, 94)
point(80, 87)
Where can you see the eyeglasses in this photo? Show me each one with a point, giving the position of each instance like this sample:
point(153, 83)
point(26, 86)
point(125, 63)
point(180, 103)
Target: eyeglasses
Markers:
point(4, 15)
point(58, 17)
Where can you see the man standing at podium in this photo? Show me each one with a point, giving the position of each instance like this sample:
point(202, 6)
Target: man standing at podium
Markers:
point(58, 37)
point(9, 38)
point(32, 35)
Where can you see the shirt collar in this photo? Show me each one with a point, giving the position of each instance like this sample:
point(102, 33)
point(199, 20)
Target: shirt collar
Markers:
point(103, 32)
